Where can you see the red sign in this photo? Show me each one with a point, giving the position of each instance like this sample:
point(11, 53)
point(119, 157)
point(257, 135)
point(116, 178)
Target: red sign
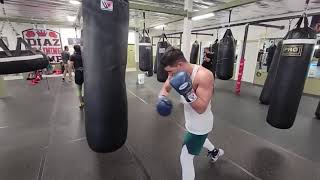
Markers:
point(47, 40)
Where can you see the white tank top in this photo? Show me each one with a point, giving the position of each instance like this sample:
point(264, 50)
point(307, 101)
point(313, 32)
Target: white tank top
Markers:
point(196, 123)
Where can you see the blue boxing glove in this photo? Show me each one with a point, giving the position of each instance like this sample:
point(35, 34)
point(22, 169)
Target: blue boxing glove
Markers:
point(182, 83)
point(164, 106)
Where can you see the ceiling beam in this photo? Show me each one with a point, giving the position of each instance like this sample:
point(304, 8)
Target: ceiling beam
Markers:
point(253, 21)
point(229, 5)
point(32, 21)
point(144, 7)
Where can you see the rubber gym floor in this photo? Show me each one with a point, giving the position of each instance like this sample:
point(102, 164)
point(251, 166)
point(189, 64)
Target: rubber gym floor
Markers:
point(42, 137)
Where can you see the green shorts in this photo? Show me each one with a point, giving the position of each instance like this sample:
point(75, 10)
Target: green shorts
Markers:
point(194, 142)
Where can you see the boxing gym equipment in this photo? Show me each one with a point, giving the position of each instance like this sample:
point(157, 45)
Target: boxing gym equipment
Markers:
point(194, 52)
point(163, 44)
point(164, 106)
point(182, 83)
point(267, 88)
point(297, 50)
point(105, 52)
point(20, 61)
point(214, 50)
point(226, 56)
point(317, 113)
point(145, 52)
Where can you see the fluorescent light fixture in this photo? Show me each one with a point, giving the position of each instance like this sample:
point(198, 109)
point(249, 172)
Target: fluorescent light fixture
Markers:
point(205, 16)
point(75, 2)
point(71, 18)
point(160, 26)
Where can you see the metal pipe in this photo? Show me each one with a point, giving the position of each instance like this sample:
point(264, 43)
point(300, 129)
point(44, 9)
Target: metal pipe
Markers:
point(262, 20)
point(270, 26)
point(243, 52)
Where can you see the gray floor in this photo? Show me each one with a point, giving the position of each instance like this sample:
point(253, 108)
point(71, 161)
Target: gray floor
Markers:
point(42, 137)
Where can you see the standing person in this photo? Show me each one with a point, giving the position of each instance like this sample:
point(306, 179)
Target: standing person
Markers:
point(209, 61)
point(195, 85)
point(65, 59)
point(77, 64)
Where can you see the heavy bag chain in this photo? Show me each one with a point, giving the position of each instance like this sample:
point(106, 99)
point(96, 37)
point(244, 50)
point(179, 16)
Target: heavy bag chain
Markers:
point(10, 24)
point(230, 11)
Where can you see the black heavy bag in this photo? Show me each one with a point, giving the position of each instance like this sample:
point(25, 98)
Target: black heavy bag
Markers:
point(20, 61)
point(297, 50)
point(267, 88)
point(226, 56)
point(162, 75)
point(105, 58)
point(194, 53)
point(214, 49)
point(145, 54)
point(318, 111)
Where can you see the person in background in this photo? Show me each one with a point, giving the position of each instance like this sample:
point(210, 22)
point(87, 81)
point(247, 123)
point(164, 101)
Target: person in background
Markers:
point(65, 60)
point(208, 61)
point(77, 64)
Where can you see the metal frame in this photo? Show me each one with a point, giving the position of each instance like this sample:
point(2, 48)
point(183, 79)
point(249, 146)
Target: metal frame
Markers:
point(257, 21)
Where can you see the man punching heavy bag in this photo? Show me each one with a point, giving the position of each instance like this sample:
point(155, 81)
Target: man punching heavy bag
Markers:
point(297, 50)
point(194, 53)
point(318, 111)
point(226, 56)
point(162, 75)
point(145, 54)
point(105, 58)
point(267, 88)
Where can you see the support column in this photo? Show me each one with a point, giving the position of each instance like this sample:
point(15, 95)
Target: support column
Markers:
point(187, 26)
point(136, 45)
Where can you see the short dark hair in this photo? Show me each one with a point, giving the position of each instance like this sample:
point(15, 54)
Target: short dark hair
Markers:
point(172, 56)
point(66, 47)
point(77, 48)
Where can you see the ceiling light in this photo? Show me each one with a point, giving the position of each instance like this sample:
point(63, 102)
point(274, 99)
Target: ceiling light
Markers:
point(196, 18)
point(160, 26)
point(75, 2)
point(71, 18)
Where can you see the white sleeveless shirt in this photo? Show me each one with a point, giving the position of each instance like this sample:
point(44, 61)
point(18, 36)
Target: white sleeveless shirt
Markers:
point(196, 123)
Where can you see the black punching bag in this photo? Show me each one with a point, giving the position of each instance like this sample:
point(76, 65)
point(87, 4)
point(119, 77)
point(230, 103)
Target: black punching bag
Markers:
point(214, 49)
point(267, 88)
point(105, 42)
point(194, 53)
point(162, 75)
point(297, 50)
point(318, 111)
point(145, 54)
point(226, 56)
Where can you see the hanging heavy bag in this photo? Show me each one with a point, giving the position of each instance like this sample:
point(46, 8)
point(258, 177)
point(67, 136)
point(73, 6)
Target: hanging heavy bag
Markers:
point(105, 33)
point(297, 50)
point(226, 56)
point(214, 49)
point(194, 53)
point(267, 88)
point(318, 111)
point(20, 61)
point(145, 54)
point(162, 74)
